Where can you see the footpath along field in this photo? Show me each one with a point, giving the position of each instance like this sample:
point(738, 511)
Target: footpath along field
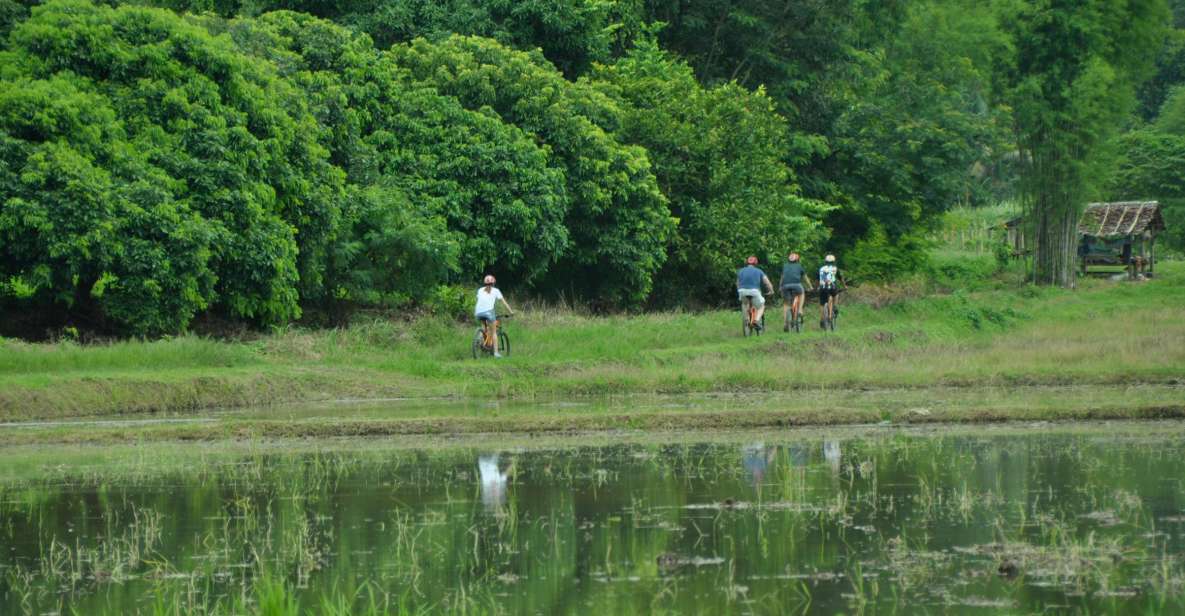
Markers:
point(1108, 349)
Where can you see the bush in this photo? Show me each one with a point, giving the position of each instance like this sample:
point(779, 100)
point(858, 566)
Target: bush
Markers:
point(452, 301)
point(877, 257)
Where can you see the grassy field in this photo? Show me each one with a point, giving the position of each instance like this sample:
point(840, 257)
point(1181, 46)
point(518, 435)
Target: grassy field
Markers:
point(995, 348)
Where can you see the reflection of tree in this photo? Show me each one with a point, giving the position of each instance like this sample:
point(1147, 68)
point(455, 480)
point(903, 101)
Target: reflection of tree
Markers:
point(602, 516)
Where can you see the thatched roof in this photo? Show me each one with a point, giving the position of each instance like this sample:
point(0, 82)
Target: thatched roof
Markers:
point(1121, 218)
point(1114, 219)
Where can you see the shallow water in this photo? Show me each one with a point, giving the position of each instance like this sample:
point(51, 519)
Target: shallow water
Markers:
point(966, 520)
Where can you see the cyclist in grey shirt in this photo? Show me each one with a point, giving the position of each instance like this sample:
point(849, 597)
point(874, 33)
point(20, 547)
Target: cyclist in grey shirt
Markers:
point(793, 278)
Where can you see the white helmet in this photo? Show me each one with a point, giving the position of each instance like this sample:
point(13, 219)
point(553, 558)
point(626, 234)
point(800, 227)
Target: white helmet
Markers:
point(829, 258)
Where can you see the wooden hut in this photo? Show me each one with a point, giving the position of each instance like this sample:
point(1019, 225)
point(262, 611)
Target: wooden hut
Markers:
point(1016, 237)
point(1122, 233)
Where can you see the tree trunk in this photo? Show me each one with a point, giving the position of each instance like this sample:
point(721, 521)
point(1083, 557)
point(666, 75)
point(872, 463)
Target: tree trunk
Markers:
point(1053, 209)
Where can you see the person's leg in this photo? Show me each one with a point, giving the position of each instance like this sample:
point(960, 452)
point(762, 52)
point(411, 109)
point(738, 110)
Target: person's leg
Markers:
point(494, 330)
point(786, 311)
point(760, 310)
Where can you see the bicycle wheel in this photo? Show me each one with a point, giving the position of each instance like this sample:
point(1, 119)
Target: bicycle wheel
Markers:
point(746, 329)
point(503, 343)
point(476, 344)
point(762, 325)
point(831, 322)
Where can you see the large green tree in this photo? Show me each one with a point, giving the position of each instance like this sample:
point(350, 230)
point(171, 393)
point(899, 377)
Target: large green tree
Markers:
point(618, 220)
point(503, 204)
point(718, 156)
point(152, 172)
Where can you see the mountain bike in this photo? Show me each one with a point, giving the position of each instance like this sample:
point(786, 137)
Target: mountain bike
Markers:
point(833, 310)
point(483, 339)
point(794, 321)
point(750, 326)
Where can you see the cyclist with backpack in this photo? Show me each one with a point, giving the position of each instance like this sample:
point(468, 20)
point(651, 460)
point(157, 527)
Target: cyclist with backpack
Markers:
point(829, 284)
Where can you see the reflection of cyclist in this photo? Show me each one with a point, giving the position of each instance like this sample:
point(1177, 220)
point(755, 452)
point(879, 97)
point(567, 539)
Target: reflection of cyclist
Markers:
point(750, 280)
point(833, 456)
point(487, 297)
point(793, 277)
point(829, 281)
point(756, 458)
point(493, 482)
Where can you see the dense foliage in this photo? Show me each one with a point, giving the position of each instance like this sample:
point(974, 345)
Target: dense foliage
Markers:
point(260, 160)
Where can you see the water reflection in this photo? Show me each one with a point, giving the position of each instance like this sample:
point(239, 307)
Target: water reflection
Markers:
point(493, 482)
point(756, 458)
point(937, 524)
point(832, 455)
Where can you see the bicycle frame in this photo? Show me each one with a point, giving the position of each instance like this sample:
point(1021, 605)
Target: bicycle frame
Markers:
point(487, 332)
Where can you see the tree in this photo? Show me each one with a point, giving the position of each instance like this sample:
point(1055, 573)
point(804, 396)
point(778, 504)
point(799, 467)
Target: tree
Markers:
point(175, 174)
point(1070, 81)
point(489, 182)
point(618, 221)
point(913, 126)
point(1148, 166)
point(717, 154)
point(571, 33)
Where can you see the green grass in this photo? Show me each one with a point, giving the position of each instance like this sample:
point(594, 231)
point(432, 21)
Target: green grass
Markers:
point(992, 334)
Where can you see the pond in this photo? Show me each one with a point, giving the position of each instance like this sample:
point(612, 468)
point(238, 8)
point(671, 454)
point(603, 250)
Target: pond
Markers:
point(876, 520)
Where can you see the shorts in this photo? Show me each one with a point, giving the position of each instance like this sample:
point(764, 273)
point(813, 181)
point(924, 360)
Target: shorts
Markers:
point(791, 291)
point(754, 296)
point(825, 293)
point(486, 316)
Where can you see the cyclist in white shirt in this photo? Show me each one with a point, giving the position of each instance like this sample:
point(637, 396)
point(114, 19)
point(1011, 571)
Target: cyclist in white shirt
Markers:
point(487, 297)
point(828, 289)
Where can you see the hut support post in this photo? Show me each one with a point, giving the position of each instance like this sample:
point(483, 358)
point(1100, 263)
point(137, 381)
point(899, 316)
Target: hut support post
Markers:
point(1152, 254)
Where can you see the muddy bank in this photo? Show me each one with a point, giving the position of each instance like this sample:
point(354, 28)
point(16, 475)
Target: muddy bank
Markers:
point(233, 428)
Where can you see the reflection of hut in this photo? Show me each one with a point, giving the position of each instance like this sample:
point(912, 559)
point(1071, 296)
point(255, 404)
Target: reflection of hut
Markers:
point(1122, 233)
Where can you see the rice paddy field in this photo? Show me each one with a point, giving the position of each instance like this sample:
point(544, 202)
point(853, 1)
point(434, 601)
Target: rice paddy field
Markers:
point(1018, 518)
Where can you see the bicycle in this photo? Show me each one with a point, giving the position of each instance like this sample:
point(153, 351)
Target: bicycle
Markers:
point(483, 340)
point(794, 321)
point(833, 312)
point(750, 326)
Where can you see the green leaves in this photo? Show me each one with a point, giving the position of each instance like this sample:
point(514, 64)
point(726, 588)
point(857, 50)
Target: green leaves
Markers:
point(150, 156)
point(717, 153)
point(617, 218)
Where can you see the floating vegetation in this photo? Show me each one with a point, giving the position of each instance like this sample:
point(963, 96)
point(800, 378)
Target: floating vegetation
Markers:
point(890, 521)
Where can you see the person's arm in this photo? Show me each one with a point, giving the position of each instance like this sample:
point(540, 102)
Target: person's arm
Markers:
point(507, 304)
point(767, 283)
point(738, 280)
point(807, 280)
